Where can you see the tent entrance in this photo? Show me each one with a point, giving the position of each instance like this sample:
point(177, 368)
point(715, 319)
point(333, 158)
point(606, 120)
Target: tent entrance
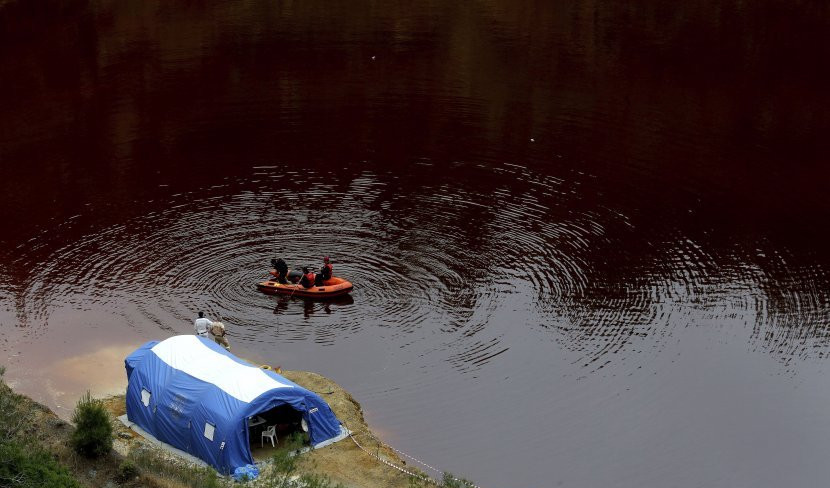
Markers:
point(286, 421)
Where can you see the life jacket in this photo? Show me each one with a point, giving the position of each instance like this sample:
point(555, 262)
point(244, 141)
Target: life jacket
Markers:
point(308, 279)
point(328, 270)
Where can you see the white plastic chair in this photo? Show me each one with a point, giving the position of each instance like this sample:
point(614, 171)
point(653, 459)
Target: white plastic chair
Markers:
point(270, 433)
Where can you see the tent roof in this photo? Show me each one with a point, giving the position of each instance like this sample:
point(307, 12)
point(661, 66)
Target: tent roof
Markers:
point(244, 382)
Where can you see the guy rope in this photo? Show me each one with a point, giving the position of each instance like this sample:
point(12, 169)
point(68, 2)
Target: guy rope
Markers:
point(403, 470)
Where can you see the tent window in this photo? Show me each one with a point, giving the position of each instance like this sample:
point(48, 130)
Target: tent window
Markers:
point(209, 429)
point(145, 397)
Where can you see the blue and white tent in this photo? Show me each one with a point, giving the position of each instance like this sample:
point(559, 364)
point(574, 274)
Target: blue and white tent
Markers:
point(190, 393)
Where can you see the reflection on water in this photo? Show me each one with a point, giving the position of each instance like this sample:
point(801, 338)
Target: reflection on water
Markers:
point(58, 373)
point(310, 306)
point(592, 231)
point(450, 300)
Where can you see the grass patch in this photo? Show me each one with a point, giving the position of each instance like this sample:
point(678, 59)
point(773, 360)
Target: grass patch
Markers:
point(283, 471)
point(27, 466)
point(447, 481)
point(154, 461)
point(286, 465)
point(23, 463)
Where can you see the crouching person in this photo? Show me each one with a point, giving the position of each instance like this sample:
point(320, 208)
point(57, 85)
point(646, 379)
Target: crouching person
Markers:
point(217, 330)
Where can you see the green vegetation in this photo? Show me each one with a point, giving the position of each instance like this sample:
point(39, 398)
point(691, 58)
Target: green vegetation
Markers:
point(127, 471)
point(30, 467)
point(155, 461)
point(448, 481)
point(93, 430)
point(315, 481)
point(23, 464)
point(286, 463)
point(283, 471)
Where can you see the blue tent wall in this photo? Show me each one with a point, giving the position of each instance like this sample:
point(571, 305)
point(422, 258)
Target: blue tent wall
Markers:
point(180, 405)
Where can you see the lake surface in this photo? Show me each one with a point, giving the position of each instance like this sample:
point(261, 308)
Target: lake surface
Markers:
point(588, 239)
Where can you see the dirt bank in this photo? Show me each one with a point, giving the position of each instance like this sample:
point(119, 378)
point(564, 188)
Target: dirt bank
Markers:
point(342, 462)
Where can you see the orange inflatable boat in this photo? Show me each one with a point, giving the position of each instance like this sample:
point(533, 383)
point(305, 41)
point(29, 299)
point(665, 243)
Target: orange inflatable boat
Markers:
point(333, 287)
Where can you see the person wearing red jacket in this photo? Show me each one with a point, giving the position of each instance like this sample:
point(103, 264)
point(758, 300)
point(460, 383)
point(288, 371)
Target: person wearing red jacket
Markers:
point(327, 270)
point(308, 278)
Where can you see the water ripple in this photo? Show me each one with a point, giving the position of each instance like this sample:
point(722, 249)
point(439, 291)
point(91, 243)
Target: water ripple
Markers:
point(437, 271)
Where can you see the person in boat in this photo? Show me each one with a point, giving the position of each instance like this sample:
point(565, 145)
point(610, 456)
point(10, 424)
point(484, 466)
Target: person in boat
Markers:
point(327, 270)
point(308, 278)
point(217, 330)
point(201, 325)
point(281, 269)
point(294, 276)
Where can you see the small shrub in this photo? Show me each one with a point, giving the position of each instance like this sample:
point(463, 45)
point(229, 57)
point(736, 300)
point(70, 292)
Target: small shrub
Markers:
point(93, 430)
point(450, 481)
point(127, 470)
point(15, 417)
point(285, 462)
point(420, 482)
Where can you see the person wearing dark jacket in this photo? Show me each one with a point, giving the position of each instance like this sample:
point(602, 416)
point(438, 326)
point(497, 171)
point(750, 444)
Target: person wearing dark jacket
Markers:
point(281, 269)
point(327, 270)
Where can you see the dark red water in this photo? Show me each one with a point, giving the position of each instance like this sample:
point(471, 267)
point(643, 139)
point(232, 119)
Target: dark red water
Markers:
point(588, 239)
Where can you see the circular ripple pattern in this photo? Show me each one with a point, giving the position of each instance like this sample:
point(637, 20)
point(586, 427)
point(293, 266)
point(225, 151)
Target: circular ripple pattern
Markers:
point(441, 271)
point(515, 274)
